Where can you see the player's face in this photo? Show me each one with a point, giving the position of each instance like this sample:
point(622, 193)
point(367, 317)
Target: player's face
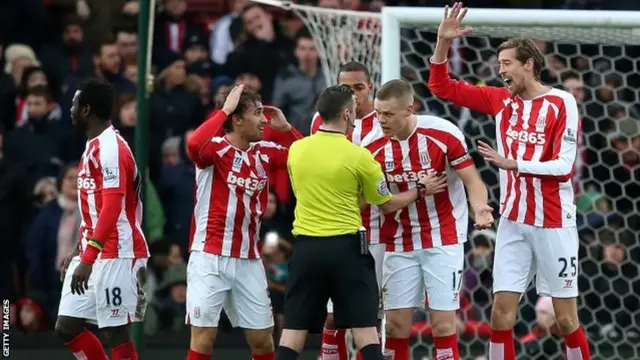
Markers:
point(78, 114)
point(252, 123)
point(358, 82)
point(514, 73)
point(393, 115)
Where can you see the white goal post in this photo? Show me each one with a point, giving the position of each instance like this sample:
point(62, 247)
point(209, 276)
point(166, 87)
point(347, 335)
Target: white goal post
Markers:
point(614, 27)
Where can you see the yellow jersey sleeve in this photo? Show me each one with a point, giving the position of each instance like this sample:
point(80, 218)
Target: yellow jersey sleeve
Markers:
point(372, 180)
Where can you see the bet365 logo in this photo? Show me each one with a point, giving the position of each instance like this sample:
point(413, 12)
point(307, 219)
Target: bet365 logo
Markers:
point(528, 137)
point(86, 183)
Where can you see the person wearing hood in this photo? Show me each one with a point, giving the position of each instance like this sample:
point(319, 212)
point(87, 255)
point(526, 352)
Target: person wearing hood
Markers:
point(176, 189)
point(17, 58)
point(172, 108)
point(168, 308)
point(70, 55)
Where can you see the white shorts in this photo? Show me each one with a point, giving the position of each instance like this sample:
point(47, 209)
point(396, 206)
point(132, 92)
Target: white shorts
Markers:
point(523, 251)
point(377, 251)
point(438, 271)
point(239, 286)
point(116, 294)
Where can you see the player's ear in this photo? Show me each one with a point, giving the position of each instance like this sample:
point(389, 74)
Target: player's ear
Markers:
point(410, 108)
point(529, 64)
point(85, 111)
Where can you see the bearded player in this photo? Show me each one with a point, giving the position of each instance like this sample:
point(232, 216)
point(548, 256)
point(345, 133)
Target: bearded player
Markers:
point(356, 76)
point(104, 278)
point(536, 131)
point(232, 189)
point(424, 241)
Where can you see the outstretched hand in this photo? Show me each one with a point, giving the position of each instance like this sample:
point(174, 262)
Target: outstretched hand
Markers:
point(492, 156)
point(483, 215)
point(449, 28)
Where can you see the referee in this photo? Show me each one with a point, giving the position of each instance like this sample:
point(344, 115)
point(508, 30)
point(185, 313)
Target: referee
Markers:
point(331, 257)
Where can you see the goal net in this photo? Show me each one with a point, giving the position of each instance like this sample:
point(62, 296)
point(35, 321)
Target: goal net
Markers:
point(595, 56)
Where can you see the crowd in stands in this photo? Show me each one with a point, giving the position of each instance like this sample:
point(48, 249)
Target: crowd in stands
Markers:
point(47, 47)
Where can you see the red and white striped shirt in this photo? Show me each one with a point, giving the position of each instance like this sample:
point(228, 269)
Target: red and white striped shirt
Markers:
point(232, 190)
point(436, 145)
point(362, 128)
point(540, 134)
point(107, 165)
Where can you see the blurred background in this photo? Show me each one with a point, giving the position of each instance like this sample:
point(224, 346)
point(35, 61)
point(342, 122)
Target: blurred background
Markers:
point(202, 47)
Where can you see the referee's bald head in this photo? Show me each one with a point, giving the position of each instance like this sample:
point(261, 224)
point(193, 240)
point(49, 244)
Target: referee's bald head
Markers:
point(334, 101)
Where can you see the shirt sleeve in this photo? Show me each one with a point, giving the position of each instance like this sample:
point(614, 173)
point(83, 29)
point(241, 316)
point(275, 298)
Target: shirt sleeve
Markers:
point(484, 99)
point(200, 148)
point(457, 151)
point(372, 180)
point(563, 142)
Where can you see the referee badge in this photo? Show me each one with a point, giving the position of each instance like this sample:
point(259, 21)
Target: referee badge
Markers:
point(382, 187)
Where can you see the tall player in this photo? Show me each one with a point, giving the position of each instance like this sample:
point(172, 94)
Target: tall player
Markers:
point(356, 76)
point(536, 131)
point(232, 188)
point(424, 241)
point(104, 278)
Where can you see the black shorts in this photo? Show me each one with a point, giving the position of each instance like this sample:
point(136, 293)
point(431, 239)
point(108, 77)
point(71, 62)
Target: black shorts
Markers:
point(330, 267)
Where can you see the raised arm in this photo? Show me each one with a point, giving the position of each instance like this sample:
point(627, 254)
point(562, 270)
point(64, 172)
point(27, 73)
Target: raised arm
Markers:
point(199, 144)
point(485, 99)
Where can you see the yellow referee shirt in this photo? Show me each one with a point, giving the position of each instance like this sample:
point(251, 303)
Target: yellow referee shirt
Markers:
point(328, 173)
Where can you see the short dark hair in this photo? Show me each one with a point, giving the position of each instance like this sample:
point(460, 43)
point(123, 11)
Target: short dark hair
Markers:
point(525, 49)
point(333, 100)
point(248, 98)
point(99, 96)
point(354, 66)
point(303, 34)
point(394, 89)
point(569, 75)
point(105, 41)
point(41, 91)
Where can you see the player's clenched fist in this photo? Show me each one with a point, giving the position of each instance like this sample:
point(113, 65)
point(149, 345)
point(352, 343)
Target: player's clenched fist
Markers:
point(449, 28)
point(433, 183)
point(231, 103)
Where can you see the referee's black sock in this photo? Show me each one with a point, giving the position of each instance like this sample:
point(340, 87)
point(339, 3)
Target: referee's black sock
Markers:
point(285, 353)
point(372, 352)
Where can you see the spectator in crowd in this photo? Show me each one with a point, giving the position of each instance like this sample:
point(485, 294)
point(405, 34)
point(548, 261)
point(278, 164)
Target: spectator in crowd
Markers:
point(32, 77)
point(266, 49)
point(33, 315)
point(275, 254)
point(37, 146)
point(70, 55)
point(172, 108)
point(221, 41)
point(173, 29)
point(52, 236)
point(17, 57)
point(127, 41)
point(196, 49)
point(297, 86)
point(168, 309)
point(200, 74)
point(176, 187)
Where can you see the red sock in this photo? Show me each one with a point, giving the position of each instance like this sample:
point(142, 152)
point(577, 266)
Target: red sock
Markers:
point(125, 352)
point(501, 346)
point(270, 356)
point(194, 355)
point(399, 348)
point(87, 346)
point(334, 345)
point(358, 356)
point(446, 347)
point(577, 345)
